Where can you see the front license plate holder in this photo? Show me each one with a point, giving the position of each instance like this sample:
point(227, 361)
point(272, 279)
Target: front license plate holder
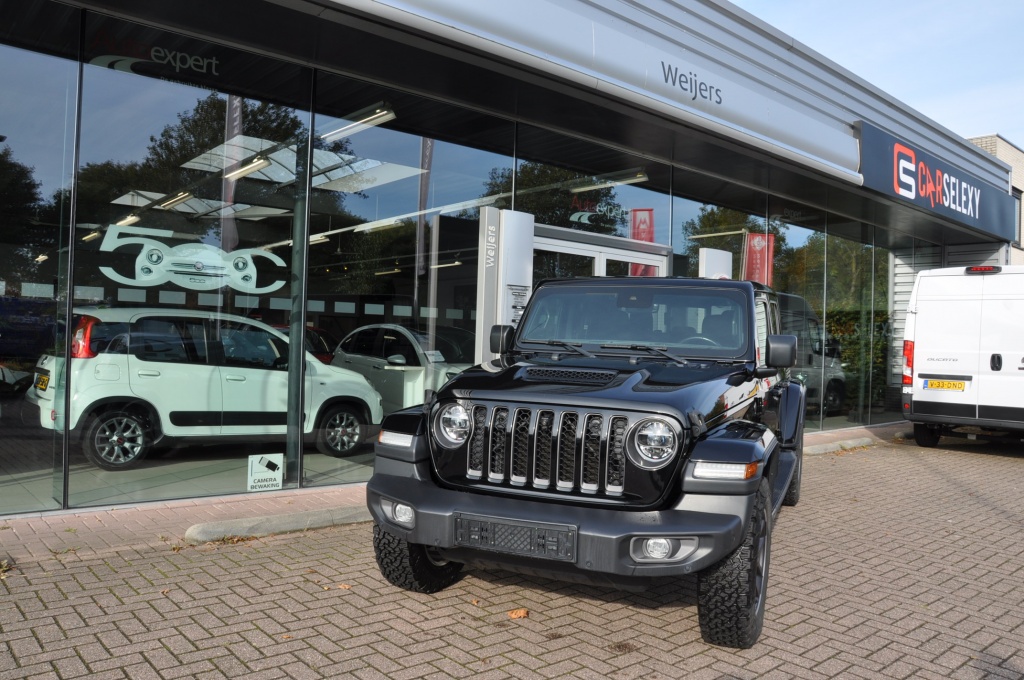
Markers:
point(530, 539)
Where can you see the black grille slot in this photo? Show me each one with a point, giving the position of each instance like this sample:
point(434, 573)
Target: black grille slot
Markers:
point(590, 466)
point(520, 446)
point(476, 443)
point(568, 375)
point(499, 435)
point(566, 479)
point(616, 472)
point(542, 451)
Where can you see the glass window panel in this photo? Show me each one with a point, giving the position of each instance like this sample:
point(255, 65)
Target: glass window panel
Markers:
point(394, 240)
point(37, 114)
point(571, 183)
point(191, 187)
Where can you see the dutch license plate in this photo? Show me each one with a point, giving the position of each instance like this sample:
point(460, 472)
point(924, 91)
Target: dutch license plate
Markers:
point(949, 385)
point(533, 539)
point(42, 382)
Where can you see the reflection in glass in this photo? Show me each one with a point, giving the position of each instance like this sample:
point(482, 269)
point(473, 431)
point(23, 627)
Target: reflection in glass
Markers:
point(35, 176)
point(186, 219)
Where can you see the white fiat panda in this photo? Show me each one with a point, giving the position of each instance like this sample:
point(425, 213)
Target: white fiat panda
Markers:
point(139, 376)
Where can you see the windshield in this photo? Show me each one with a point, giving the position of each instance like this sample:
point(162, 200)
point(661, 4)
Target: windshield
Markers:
point(686, 320)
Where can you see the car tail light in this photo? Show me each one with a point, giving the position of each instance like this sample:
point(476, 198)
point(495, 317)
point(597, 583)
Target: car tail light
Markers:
point(81, 340)
point(984, 269)
point(908, 362)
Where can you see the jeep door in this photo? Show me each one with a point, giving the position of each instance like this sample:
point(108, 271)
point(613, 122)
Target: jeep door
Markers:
point(169, 367)
point(255, 379)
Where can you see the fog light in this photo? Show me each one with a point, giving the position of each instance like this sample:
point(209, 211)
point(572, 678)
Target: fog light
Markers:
point(399, 513)
point(402, 513)
point(657, 548)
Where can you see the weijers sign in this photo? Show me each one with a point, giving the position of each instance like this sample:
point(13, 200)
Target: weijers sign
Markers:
point(900, 169)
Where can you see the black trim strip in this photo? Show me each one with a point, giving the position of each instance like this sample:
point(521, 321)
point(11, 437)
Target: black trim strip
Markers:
point(1001, 413)
point(935, 408)
point(940, 376)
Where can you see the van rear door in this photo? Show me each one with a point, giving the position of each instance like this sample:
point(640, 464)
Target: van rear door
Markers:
point(947, 316)
point(1001, 360)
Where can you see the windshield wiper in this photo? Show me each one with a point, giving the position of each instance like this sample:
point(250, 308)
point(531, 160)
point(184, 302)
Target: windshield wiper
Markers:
point(567, 345)
point(649, 348)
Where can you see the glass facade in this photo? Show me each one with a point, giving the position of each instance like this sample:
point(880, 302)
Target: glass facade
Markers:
point(176, 214)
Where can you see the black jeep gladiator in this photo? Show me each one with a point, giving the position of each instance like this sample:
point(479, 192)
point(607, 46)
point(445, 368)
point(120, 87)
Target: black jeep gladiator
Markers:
point(630, 429)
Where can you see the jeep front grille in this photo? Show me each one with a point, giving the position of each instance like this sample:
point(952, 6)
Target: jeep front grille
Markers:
point(556, 450)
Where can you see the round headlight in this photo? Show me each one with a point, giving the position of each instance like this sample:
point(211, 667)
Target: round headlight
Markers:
point(656, 442)
point(453, 424)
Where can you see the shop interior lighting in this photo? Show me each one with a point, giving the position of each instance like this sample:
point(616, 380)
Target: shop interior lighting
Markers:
point(42, 258)
point(127, 221)
point(633, 176)
point(456, 263)
point(176, 199)
point(91, 236)
point(257, 163)
point(319, 238)
point(396, 270)
point(364, 118)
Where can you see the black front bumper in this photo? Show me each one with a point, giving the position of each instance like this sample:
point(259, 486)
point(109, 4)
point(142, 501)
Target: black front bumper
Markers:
point(602, 540)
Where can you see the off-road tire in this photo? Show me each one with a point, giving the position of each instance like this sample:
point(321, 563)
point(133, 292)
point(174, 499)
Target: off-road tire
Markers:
point(731, 594)
point(410, 566)
point(341, 431)
point(926, 436)
point(116, 440)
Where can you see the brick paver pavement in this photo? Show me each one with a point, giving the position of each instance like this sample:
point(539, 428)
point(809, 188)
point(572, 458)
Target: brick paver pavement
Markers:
point(898, 562)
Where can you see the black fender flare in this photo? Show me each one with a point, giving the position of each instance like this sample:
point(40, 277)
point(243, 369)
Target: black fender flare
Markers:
point(792, 403)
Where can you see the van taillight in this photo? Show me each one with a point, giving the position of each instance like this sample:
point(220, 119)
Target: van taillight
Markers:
point(985, 269)
point(908, 362)
point(81, 340)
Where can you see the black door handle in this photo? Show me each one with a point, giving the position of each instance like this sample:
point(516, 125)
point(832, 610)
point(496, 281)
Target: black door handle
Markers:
point(996, 362)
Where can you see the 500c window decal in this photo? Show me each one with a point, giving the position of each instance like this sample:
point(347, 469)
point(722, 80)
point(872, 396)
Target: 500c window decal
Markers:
point(196, 266)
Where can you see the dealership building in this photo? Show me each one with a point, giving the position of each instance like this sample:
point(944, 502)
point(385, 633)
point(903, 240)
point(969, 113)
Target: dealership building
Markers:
point(388, 178)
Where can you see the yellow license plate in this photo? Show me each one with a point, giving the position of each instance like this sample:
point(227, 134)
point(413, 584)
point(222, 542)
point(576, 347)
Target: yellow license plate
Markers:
point(952, 385)
point(42, 382)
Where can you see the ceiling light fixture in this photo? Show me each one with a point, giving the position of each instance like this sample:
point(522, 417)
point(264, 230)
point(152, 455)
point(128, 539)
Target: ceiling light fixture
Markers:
point(396, 270)
point(42, 258)
point(612, 179)
point(318, 238)
point(91, 236)
point(128, 220)
point(257, 163)
point(180, 197)
point(364, 118)
point(456, 263)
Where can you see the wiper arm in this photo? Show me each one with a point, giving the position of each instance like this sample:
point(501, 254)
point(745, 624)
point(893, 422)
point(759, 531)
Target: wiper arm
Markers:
point(567, 345)
point(649, 348)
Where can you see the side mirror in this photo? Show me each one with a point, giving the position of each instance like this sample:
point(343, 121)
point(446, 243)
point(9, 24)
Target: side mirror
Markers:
point(396, 360)
point(501, 338)
point(781, 351)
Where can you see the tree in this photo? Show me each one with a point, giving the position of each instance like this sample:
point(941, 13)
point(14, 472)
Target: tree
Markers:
point(733, 225)
point(545, 192)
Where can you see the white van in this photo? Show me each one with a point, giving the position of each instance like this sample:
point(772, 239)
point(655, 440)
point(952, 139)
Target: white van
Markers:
point(963, 353)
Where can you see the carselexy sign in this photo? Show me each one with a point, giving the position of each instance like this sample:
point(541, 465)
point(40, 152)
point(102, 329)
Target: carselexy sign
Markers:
point(898, 168)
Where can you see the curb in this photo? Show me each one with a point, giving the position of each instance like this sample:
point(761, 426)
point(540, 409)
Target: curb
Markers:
point(277, 524)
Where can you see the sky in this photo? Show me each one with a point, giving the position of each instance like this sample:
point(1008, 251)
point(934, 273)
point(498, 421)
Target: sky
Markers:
point(957, 63)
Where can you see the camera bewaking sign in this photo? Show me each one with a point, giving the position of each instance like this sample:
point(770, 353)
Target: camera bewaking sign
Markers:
point(266, 471)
